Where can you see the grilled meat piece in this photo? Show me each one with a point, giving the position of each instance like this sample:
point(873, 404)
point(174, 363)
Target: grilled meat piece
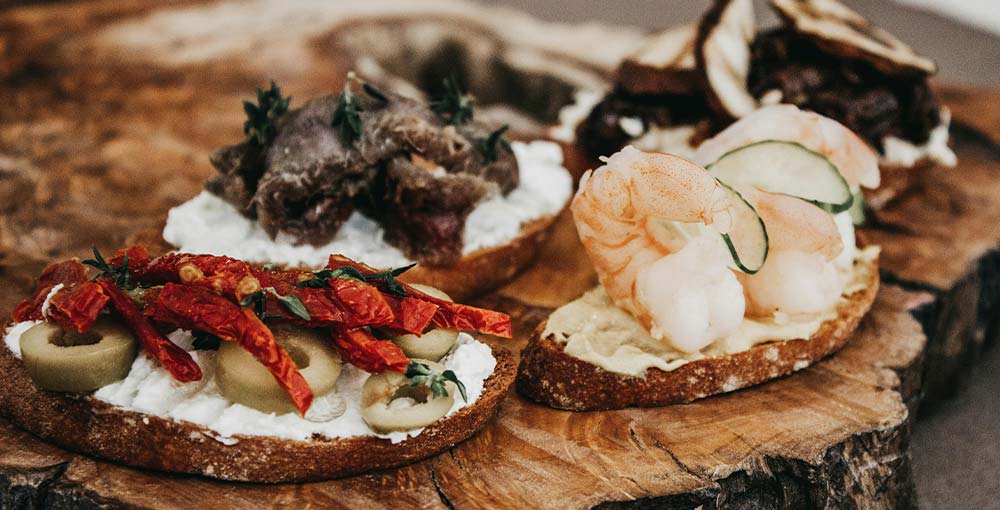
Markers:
point(310, 179)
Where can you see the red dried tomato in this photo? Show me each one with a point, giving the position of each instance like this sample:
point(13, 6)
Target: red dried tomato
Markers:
point(177, 361)
point(68, 272)
point(77, 306)
point(198, 308)
point(359, 348)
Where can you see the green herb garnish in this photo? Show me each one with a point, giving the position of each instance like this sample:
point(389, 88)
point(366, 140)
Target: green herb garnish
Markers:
point(291, 303)
point(421, 373)
point(118, 275)
point(260, 126)
point(347, 116)
point(489, 146)
point(258, 302)
point(204, 341)
point(455, 107)
point(322, 278)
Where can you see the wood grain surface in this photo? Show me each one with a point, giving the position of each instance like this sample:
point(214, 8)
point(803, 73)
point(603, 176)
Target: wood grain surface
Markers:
point(114, 106)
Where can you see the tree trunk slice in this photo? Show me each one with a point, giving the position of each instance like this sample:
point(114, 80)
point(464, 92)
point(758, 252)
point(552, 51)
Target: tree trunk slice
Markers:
point(117, 104)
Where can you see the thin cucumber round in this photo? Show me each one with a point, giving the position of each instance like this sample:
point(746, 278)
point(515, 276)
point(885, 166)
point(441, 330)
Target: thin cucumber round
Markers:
point(788, 168)
point(747, 236)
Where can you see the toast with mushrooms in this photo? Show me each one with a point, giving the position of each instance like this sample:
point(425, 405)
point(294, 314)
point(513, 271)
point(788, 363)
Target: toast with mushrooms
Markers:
point(208, 365)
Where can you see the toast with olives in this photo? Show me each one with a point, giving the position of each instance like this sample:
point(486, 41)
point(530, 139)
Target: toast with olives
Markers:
point(89, 426)
point(550, 376)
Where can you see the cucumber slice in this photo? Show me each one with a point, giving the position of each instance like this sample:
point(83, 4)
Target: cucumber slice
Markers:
point(857, 209)
point(786, 167)
point(747, 236)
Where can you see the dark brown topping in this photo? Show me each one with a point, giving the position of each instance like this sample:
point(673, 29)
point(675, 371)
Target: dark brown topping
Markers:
point(853, 91)
point(722, 50)
point(353, 151)
point(664, 65)
point(843, 32)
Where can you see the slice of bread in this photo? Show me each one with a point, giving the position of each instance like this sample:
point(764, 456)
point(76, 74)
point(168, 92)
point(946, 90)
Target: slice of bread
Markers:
point(550, 376)
point(83, 424)
point(474, 274)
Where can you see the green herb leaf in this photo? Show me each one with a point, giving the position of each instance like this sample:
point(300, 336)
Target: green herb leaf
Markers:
point(258, 302)
point(422, 374)
point(489, 146)
point(388, 279)
point(374, 93)
point(204, 341)
point(118, 275)
point(261, 124)
point(347, 117)
point(292, 303)
point(455, 107)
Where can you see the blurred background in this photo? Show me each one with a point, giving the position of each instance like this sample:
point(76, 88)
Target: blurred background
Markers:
point(963, 36)
point(956, 447)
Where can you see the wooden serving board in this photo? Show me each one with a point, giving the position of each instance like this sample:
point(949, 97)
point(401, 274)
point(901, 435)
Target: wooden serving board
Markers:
point(112, 108)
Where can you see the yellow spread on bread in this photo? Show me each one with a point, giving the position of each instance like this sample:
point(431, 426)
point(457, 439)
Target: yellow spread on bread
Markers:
point(594, 330)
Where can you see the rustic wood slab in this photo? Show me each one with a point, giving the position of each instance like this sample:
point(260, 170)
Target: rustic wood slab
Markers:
point(115, 105)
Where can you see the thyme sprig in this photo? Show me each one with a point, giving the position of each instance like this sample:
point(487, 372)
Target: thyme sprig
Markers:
point(347, 117)
point(261, 124)
point(388, 279)
point(455, 106)
point(118, 275)
point(258, 302)
point(489, 146)
point(423, 374)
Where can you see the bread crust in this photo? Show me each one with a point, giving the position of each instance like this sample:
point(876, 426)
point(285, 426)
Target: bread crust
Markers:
point(85, 425)
point(550, 376)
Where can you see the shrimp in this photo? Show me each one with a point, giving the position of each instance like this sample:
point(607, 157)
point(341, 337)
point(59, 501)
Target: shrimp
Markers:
point(681, 290)
point(799, 276)
point(856, 161)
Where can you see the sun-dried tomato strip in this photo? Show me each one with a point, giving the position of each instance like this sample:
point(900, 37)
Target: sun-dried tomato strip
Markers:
point(343, 301)
point(411, 315)
point(138, 258)
point(359, 348)
point(198, 308)
point(76, 306)
point(449, 315)
point(224, 275)
point(177, 361)
point(68, 272)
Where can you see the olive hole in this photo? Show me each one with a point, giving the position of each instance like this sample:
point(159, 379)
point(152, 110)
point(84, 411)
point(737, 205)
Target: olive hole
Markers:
point(299, 356)
point(420, 394)
point(72, 338)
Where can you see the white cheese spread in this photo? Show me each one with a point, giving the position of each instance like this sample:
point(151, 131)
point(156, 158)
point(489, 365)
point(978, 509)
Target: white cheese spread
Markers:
point(150, 389)
point(901, 153)
point(208, 224)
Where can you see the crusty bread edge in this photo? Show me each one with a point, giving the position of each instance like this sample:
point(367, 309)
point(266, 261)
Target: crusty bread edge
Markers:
point(85, 425)
point(550, 376)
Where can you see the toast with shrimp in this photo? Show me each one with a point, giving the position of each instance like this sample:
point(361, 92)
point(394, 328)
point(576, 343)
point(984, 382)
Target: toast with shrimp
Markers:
point(208, 365)
point(383, 178)
point(712, 278)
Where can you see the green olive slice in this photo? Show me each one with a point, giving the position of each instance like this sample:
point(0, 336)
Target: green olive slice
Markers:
point(244, 380)
point(382, 393)
point(59, 360)
point(434, 343)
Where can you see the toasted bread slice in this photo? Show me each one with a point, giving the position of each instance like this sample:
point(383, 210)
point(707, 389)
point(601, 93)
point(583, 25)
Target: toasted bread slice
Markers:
point(552, 377)
point(85, 425)
point(474, 274)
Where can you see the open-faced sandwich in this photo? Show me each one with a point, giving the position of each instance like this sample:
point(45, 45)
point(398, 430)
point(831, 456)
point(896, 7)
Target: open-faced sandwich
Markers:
point(713, 277)
point(210, 365)
point(382, 178)
point(690, 82)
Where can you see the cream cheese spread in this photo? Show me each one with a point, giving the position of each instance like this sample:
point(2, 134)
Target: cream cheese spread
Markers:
point(901, 153)
point(150, 389)
point(594, 330)
point(208, 224)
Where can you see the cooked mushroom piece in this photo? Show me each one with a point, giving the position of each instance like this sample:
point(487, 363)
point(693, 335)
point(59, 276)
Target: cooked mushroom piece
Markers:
point(664, 65)
point(389, 403)
point(722, 50)
point(845, 33)
point(244, 380)
point(434, 343)
point(59, 360)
